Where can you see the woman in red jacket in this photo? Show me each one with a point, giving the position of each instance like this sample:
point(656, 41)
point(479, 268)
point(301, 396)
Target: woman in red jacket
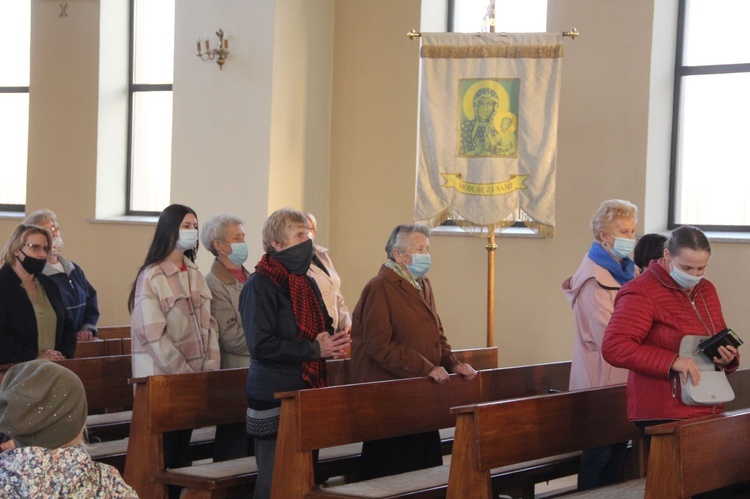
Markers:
point(670, 300)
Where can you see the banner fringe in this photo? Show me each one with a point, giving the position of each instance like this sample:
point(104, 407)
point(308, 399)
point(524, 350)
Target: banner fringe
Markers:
point(545, 230)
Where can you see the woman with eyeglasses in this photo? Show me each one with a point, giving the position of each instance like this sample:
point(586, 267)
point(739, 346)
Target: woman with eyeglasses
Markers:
point(33, 322)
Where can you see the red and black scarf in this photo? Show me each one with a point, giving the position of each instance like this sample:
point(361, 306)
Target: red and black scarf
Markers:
point(307, 310)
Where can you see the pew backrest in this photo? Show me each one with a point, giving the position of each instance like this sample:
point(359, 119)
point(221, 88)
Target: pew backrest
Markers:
point(693, 456)
point(339, 370)
point(176, 402)
point(105, 380)
point(327, 417)
point(495, 434)
point(107, 332)
point(478, 358)
point(740, 381)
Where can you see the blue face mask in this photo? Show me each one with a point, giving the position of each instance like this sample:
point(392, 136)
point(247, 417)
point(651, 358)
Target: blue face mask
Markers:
point(623, 247)
point(420, 264)
point(683, 279)
point(188, 239)
point(238, 254)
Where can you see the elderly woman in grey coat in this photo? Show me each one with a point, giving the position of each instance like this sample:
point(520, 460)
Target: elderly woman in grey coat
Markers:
point(224, 237)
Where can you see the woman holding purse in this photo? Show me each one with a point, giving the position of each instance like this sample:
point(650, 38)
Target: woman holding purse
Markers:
point(653, 313)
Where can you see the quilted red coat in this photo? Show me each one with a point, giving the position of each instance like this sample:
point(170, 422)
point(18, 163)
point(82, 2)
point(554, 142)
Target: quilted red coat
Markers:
point(652, 314)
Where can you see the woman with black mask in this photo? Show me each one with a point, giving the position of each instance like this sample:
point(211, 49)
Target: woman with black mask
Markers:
point(288, 332)
point(33, 323)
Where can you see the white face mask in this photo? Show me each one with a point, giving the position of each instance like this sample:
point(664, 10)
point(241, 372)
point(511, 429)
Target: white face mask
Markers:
point(683, 279)
point(623, 247)
point(188, 239)
point(420, 264)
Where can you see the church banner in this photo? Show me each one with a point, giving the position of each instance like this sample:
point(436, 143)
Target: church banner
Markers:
point(488, 130)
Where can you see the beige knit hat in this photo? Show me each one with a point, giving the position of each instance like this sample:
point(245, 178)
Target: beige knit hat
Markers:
point(42, 404)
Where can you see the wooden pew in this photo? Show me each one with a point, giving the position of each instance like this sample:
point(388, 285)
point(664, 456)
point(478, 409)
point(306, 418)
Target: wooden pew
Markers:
point(167, 403)
point(740, 381)
point(182, 401)
point(505, 433)
point(368, 411)
point(698, 455)
point(108, 393)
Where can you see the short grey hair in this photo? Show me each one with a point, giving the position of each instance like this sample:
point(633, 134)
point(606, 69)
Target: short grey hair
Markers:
point(399, 234)
point(215, 228)
point(609, 210)
point(39, 217)
point(277, 225)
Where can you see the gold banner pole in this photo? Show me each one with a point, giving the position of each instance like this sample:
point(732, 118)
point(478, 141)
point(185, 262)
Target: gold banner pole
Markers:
point(491, 247)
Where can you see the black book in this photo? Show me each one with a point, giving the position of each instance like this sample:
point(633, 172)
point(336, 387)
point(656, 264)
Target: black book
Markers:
point(710, 346)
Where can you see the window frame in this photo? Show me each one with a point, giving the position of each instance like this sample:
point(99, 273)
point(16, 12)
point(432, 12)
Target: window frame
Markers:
point(15, 208)
point(133, 89)
point(14, 89)
point(681, 71)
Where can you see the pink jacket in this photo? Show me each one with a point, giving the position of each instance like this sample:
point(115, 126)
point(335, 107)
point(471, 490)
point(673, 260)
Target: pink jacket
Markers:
point(171, 326)
point(591, 292)
point(651, 316)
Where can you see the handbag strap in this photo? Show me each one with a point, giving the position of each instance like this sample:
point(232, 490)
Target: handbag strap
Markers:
point(705, 305)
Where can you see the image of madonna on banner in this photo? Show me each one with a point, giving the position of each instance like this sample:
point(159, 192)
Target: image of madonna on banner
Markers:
point(488, 130)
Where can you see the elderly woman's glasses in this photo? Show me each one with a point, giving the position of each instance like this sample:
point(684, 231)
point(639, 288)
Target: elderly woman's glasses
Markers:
point(36, 248)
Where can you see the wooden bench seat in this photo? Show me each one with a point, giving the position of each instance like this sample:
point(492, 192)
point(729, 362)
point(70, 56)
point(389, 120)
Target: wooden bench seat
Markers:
point(433, 482)
point(114, 452)
point(630, 489)
point(505, 433)
point(369, 411)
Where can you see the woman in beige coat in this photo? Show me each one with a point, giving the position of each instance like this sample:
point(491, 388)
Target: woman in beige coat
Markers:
point(224, 237)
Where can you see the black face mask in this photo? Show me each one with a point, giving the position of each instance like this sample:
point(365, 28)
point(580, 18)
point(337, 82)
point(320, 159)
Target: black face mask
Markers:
point(296, 258)
point(33, 265)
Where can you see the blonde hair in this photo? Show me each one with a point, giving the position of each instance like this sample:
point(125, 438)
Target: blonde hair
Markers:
point(278, 224)
point(17, 239)
point(609, 210)
point(39, 217)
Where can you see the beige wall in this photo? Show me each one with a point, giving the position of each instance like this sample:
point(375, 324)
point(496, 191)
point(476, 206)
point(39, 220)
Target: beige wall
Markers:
point(316, 108)
point(607, 139)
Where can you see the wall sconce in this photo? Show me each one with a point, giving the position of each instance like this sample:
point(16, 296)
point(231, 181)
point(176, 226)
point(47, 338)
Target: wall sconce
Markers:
point(220, 54)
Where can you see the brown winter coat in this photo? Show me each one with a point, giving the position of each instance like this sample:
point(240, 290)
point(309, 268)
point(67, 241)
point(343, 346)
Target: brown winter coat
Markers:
point(395, 332)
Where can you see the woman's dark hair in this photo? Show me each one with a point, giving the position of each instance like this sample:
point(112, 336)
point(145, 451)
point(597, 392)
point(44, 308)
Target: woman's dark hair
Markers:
point(689, 237)
point(649, 247)
point(165, 238)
